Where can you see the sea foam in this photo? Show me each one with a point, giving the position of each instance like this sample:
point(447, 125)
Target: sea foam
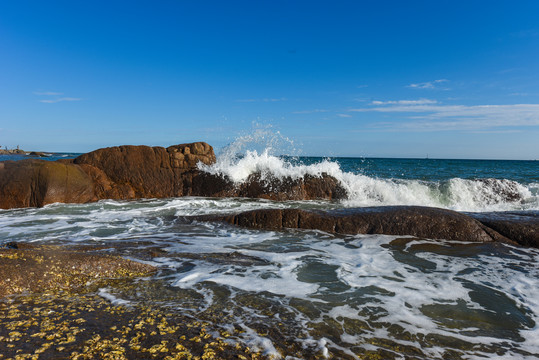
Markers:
point(456, 193)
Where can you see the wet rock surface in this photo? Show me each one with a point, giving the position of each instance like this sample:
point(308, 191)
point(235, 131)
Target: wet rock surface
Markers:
point(66, 326)
point(520, 226)
point(35, 269)
point(424, 222)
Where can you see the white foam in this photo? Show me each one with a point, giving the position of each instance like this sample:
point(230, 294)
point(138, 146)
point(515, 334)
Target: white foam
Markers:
point(457, 194)
point(105, 293)
point(277, 278)
point(367, 268)
point(259, 343)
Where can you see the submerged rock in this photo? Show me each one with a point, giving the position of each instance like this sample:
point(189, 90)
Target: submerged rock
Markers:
point(424, 222)
point(87, 326)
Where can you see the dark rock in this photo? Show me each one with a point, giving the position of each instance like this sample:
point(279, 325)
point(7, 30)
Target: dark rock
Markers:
point(520, 226)
point(37, 153)
point(424, 222)
point(306, 188)
point(504, 190)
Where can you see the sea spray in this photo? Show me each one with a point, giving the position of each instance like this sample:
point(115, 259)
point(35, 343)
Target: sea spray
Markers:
point(240, 160)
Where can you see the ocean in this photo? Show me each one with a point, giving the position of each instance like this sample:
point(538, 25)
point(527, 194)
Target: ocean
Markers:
point(307, 294)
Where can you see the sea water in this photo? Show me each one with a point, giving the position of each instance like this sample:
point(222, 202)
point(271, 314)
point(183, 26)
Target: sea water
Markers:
point(308, 294)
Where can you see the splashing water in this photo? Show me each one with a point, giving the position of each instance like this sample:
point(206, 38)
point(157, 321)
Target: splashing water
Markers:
point(239, 160)
point(307, 294)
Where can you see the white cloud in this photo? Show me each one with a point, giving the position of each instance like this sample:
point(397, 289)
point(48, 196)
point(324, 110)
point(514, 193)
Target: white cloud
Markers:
point(47, 93)
point(51, 97)
point(310, 111)
point(344, 115)
point(405, 102)
point(262, 100)
point(459, 117)
point(428, 84)
point(52, 101)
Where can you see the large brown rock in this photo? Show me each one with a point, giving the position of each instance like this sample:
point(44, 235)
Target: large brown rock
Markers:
point(35, 183)
point(134, 172)
point(131, 172)
point(423, 222)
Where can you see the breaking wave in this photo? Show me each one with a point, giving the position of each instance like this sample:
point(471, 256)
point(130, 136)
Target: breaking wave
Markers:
point(456, 193)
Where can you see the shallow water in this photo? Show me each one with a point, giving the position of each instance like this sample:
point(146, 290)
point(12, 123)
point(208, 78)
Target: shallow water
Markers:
point(308, 294)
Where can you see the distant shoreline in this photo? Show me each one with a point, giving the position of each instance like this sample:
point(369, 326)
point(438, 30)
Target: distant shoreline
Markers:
point(22, 152)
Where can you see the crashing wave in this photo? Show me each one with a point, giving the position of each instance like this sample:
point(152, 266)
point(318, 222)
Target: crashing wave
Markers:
point(457, 194)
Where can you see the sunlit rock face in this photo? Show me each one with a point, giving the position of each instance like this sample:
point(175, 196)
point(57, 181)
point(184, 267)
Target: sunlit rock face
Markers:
point(136, 172)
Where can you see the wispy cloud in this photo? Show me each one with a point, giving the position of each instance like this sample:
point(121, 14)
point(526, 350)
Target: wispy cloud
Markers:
point(48, 93)
point(262, 100)
point(52, 101)
point(310, 111)
point(51, 97)
point(428, 85)
point(344, 115)
point(405, 102)
point(458, 117)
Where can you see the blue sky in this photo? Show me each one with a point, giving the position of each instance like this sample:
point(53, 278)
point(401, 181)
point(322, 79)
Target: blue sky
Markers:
point(452, 79)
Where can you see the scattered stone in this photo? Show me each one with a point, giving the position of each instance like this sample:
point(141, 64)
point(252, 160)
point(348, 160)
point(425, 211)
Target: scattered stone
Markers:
point(83, 327)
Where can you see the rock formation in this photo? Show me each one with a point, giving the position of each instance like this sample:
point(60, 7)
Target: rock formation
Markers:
point(35, 183)
point(522, 226)
point(134, 172)
point(418, 221)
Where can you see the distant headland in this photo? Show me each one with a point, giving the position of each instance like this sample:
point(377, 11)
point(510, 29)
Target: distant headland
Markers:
point(18, 151)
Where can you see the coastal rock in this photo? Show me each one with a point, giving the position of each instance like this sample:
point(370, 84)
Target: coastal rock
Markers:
point(135, 172)
point(27, 268)
point(37, 154)
point(306, 188)
point(522, 226)
point(35, 183)
point(500, 190)
point(130, 172)
point(12, 152)
point(424, 222)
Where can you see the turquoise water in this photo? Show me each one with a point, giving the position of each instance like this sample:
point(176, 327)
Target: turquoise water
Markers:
point(48, 156)
point(523, 171)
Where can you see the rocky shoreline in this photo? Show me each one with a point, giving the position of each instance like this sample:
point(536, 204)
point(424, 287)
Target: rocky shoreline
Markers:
point(22, 152)
point(136, 172)
point(418, 221)
point(52, 303)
